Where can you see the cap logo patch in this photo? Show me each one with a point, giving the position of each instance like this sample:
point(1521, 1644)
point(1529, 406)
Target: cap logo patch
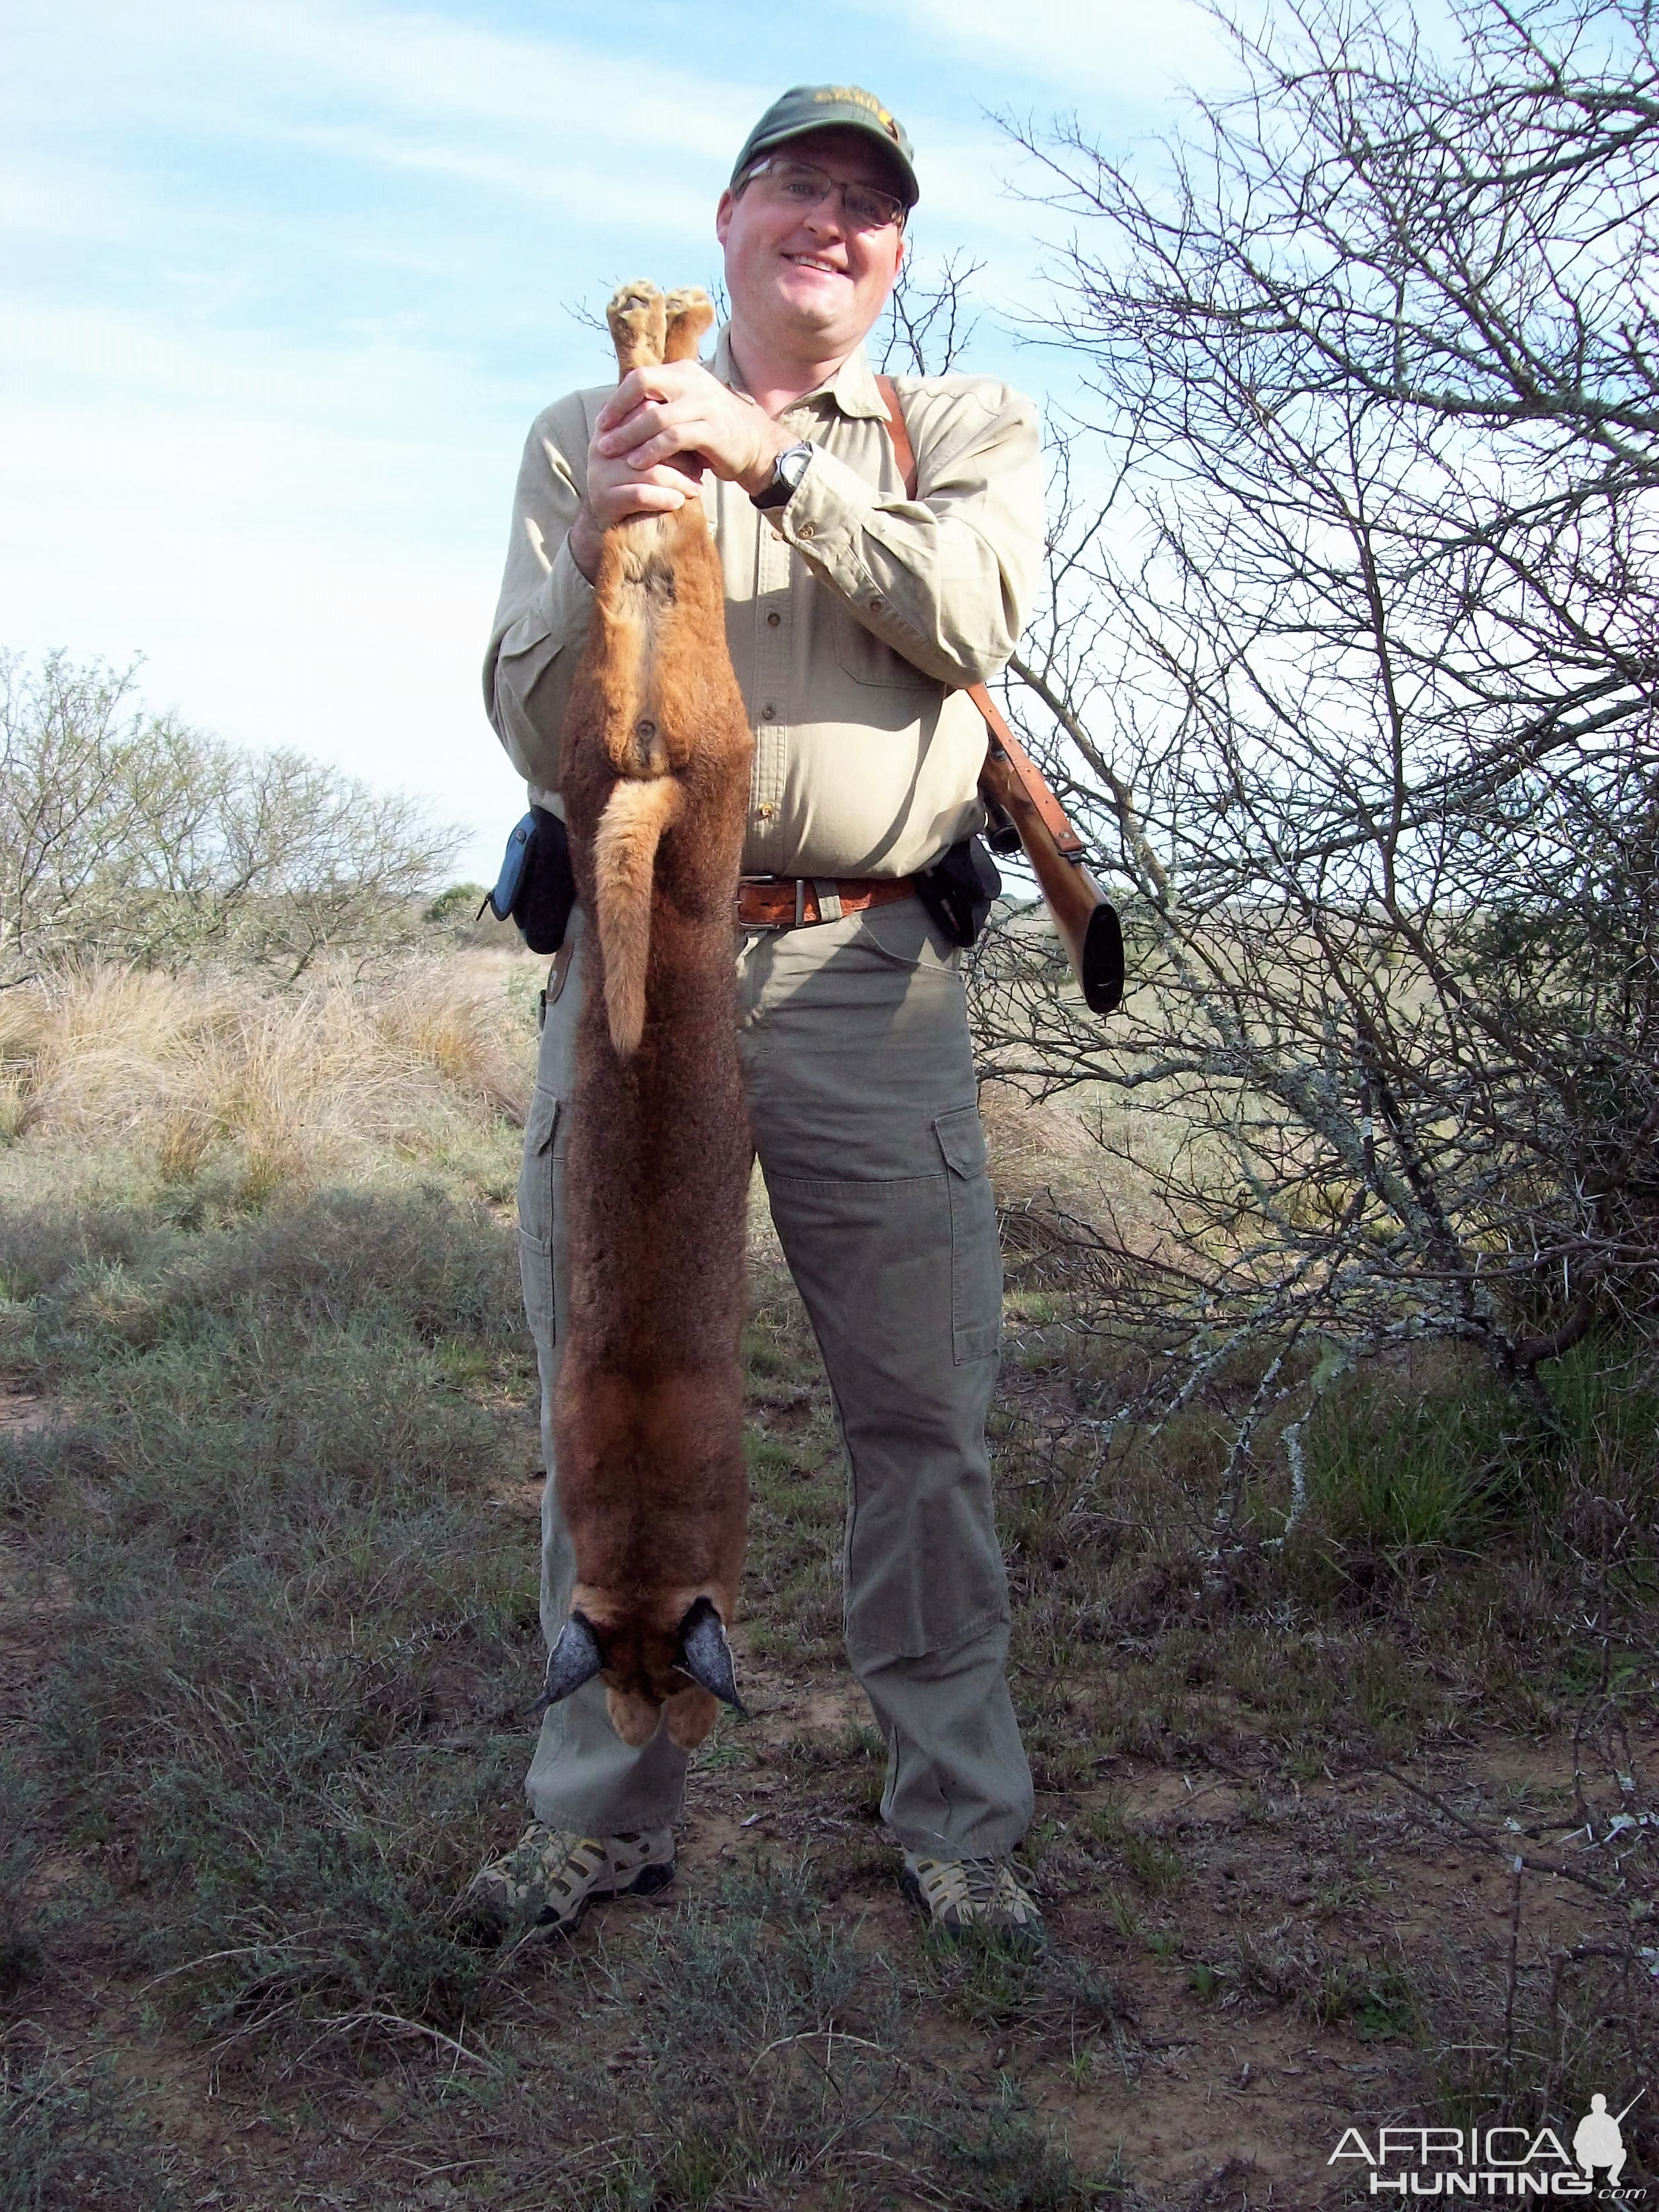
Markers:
point(852, 96)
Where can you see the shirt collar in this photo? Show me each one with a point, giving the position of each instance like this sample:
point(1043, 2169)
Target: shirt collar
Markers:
point(852, 386)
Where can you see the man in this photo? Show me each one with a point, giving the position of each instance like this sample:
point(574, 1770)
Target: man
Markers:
point(854, 616)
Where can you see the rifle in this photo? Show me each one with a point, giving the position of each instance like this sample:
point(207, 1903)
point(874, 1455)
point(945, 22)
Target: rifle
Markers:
point(1024, 812)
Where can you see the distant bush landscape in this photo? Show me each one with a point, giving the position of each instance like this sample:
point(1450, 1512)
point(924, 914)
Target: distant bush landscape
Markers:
point(129, 836)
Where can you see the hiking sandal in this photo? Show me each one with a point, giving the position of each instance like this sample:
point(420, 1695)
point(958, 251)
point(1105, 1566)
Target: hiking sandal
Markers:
point(980, 1897)
point(550, 1877)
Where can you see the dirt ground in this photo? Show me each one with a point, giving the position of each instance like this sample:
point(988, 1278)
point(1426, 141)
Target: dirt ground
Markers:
point(1200, 2090)
point(1276, 1833)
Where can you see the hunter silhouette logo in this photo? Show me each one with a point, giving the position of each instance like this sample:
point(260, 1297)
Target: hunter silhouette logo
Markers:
point(1498, 2161)
point(1597, 2140)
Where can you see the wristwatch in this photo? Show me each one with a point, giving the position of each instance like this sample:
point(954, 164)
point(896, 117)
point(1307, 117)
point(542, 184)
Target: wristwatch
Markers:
point(788, 470)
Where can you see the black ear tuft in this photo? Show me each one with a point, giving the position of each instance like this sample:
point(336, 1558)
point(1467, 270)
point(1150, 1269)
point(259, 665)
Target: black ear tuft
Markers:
point(706, 1656)
point(574, 1660)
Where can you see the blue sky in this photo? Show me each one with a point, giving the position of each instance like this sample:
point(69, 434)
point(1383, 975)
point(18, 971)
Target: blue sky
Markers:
point(283, 285)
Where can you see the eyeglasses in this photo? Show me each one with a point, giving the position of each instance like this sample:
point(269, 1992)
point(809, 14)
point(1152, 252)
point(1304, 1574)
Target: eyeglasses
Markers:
point(801, 186)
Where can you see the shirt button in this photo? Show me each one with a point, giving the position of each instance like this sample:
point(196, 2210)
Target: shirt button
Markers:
point(764, 813)
point(768, 713)
point(875, 606)
point(774, 619)
point(806, 530)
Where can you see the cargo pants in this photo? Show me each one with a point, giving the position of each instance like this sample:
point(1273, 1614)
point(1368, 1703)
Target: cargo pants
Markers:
point(862, 1106)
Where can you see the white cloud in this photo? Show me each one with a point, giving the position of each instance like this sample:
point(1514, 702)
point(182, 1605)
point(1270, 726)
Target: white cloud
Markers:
point(290, 575)
point(582, 194)
point(270, 638)
point(1129, 50)
point(201, 60)
point(291, 277)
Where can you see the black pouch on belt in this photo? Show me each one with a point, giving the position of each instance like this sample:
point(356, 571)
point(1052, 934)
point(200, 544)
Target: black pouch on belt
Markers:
point(536, 888)
point(958, 889)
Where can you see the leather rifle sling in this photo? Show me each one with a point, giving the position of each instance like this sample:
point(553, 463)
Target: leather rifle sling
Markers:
point(1031, 778)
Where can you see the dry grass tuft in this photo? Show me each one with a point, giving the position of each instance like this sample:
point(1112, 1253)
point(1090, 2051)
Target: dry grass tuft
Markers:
point(1065, 1211)
point(295, 1081)
point(1037, 1151)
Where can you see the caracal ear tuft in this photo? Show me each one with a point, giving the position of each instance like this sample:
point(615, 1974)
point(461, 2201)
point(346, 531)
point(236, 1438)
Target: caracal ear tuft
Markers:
point(574, 1660)
point(706, 1656)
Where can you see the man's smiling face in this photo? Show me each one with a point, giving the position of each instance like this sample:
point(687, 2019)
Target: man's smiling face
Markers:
point(807, 282)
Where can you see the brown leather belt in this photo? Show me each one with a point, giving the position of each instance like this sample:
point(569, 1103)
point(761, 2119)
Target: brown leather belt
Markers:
point(790, 901)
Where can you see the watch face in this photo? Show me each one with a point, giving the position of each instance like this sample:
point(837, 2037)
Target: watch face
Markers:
point(788, 470)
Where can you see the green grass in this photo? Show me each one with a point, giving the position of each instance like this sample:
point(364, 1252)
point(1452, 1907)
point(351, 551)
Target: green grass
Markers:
point(278, 1721)
point(1406, 1473)
point(1413, 1466)
point(70, 2141)
point(20, 1803)
point(793, 1598)
point(288, 1603)
point(284, 1585)
point(774, 2053)
point(1573, 2030)
point(1437, 1568)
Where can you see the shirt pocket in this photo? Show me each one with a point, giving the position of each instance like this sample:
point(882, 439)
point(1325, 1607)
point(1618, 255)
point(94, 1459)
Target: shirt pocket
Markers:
point(869, 660)
point(976, 1254)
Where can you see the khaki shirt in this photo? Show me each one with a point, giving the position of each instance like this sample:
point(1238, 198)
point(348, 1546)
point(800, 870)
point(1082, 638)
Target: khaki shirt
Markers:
point(851, 614)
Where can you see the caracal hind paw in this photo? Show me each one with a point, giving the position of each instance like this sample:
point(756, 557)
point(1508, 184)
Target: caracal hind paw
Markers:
point(638, 324)
point(689, 311)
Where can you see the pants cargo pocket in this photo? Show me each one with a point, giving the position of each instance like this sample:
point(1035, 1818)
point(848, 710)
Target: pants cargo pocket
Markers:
point(976, 1254)
point(536, 1217)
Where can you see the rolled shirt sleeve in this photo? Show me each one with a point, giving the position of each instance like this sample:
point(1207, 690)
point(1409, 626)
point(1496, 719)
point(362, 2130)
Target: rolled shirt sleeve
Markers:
point(944, 578)
point(542, 615)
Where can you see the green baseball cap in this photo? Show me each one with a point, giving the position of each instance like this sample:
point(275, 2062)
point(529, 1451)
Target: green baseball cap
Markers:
point(806, 108)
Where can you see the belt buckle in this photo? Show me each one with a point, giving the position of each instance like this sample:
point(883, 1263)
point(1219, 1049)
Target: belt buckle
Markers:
point(741, 924)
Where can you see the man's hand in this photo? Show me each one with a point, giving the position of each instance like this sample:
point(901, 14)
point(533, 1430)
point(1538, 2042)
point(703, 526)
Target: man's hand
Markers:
point(678, 407)
point(651, 440)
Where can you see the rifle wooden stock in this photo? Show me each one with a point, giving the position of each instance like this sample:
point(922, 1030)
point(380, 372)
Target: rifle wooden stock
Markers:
point(1082, 914)
point(1014, 785)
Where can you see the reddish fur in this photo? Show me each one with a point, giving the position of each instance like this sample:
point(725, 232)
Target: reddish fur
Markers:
point(647, 1418)
point(635, 816)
